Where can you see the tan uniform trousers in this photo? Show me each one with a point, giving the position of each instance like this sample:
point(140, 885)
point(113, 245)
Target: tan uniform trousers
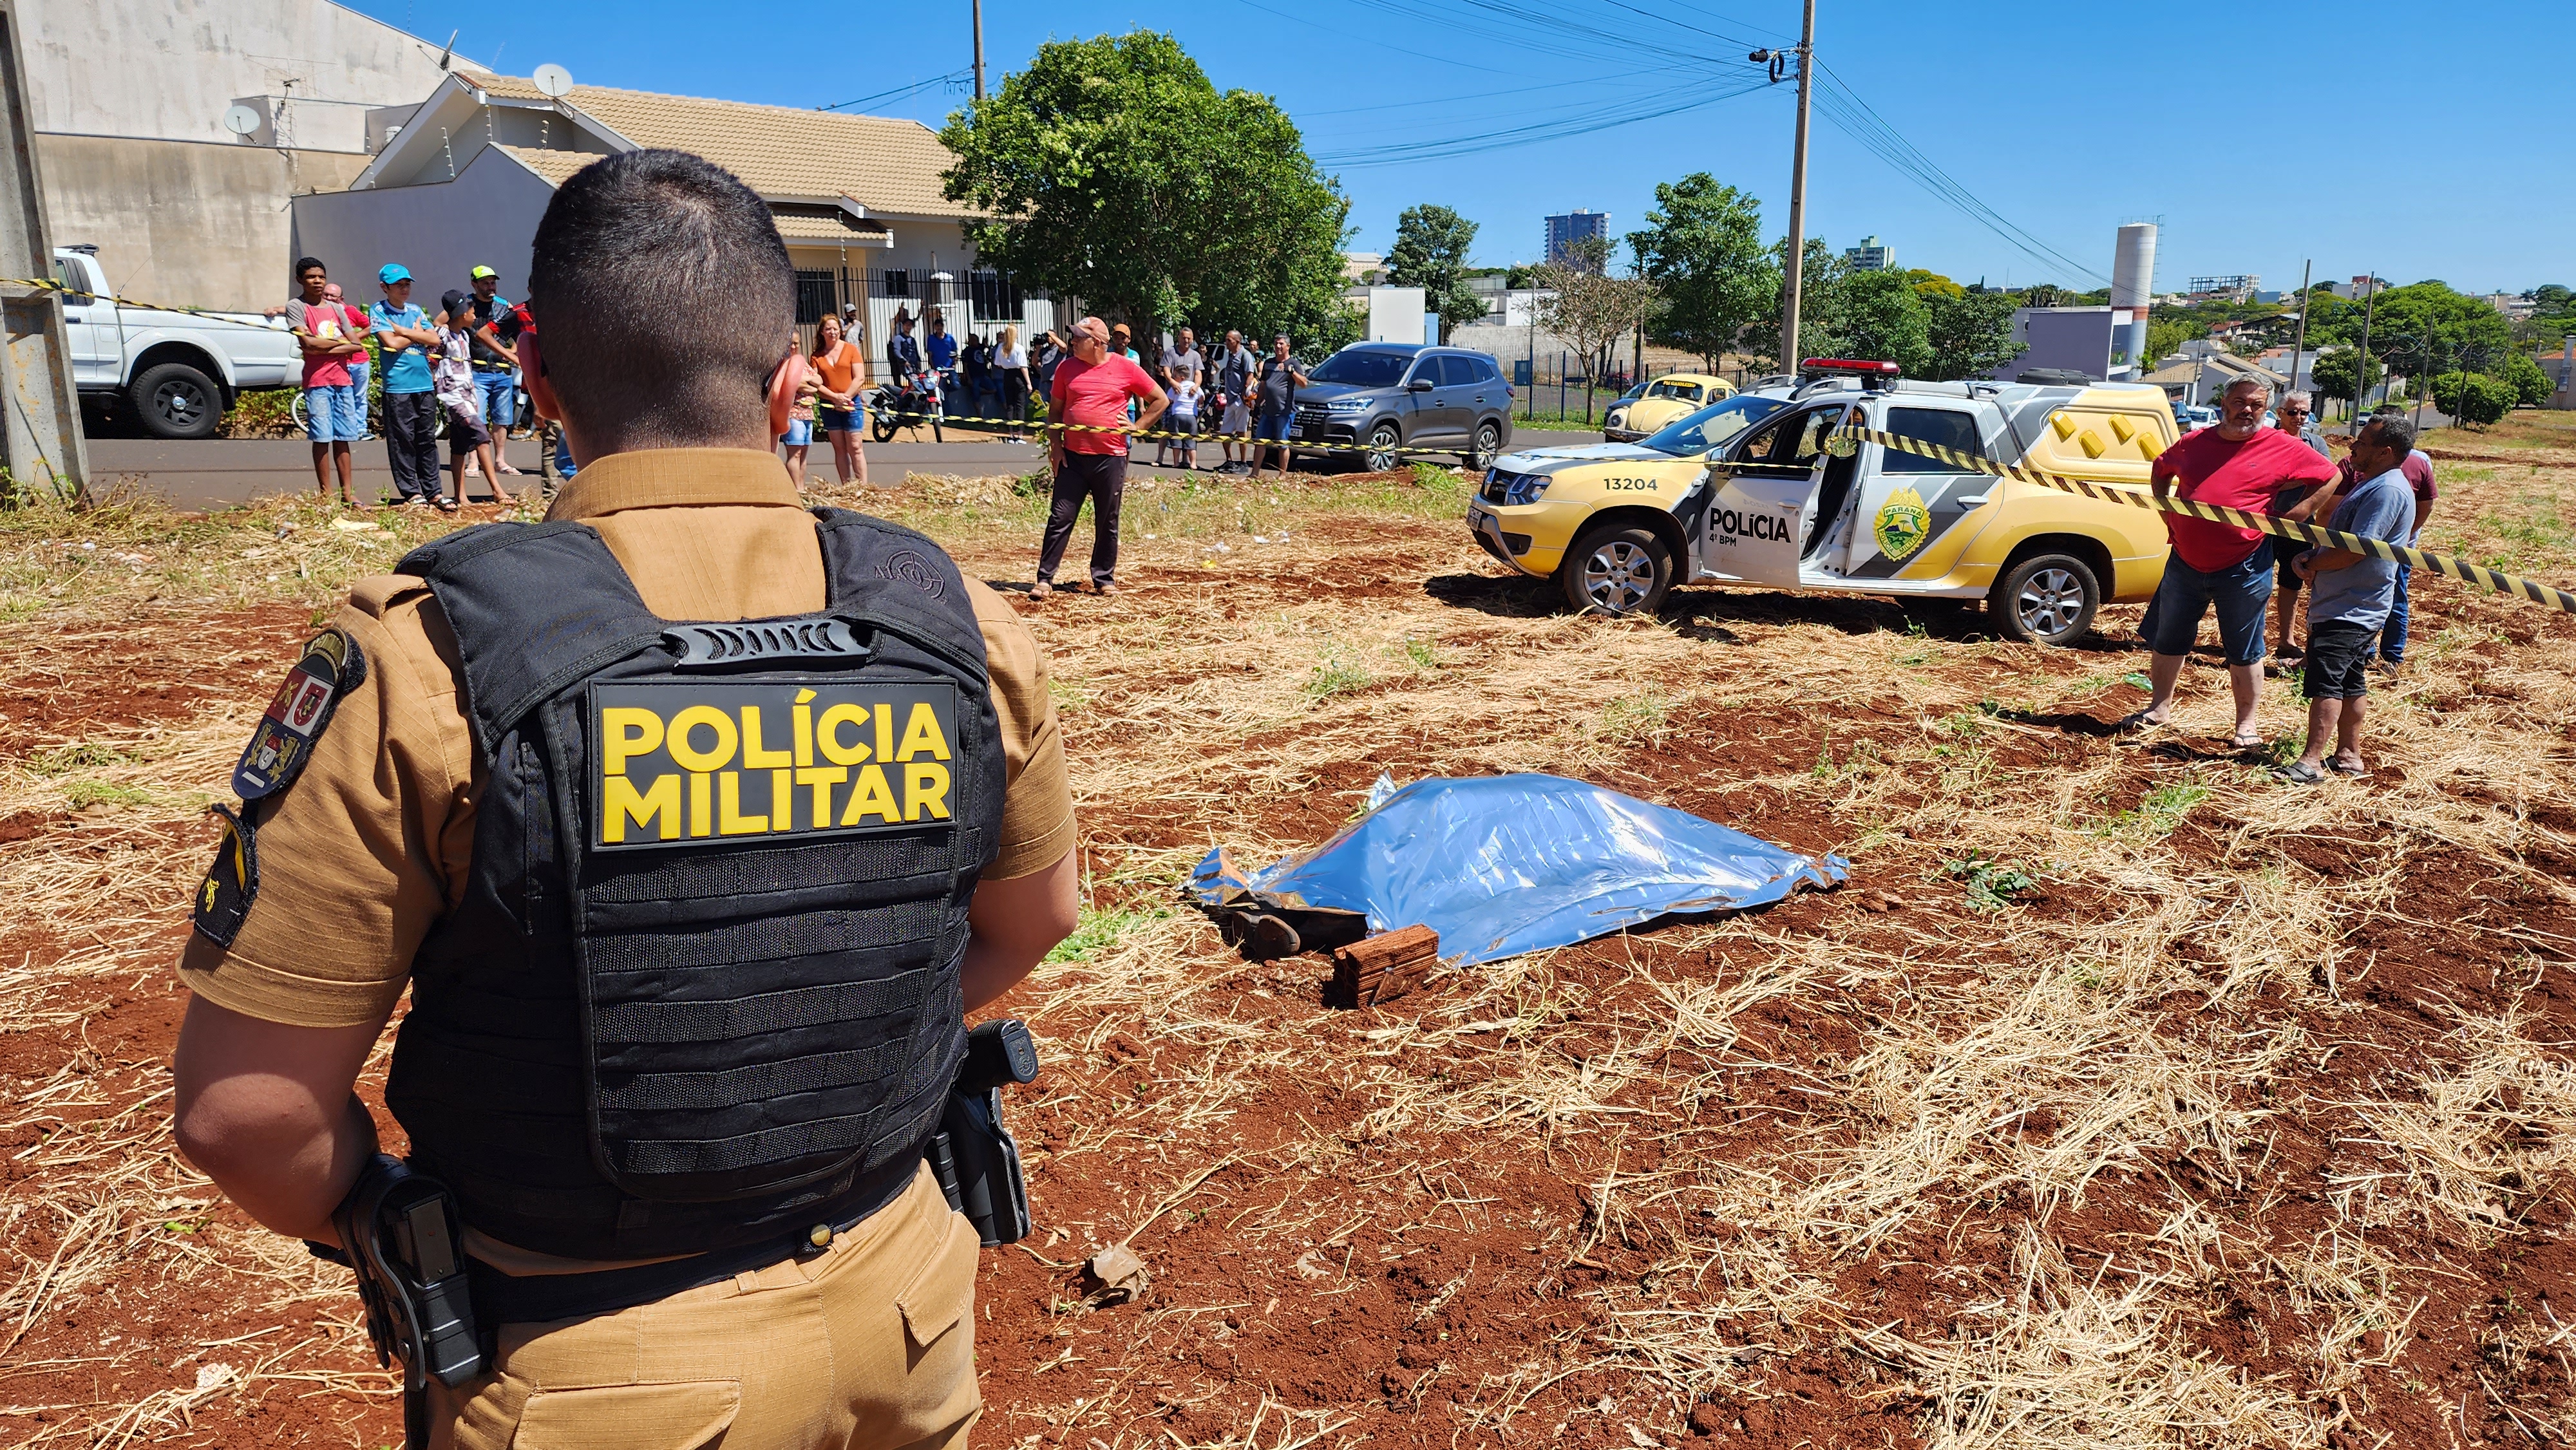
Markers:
point(869, 1344)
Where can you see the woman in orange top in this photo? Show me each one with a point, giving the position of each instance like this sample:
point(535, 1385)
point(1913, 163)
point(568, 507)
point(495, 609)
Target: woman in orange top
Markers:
point(841, 367)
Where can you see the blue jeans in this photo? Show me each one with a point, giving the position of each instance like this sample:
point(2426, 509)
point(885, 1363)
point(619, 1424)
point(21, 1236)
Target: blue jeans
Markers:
point(564, 466)
point(2238, 593)
point(1272, 428)
point(2392, 635)
point(500, 405)
point(334, 413)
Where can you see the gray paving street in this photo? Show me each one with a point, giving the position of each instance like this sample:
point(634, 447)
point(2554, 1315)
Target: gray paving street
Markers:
point(218, 473)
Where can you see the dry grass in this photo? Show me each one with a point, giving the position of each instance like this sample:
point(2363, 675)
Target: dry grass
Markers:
point(2173, 1107)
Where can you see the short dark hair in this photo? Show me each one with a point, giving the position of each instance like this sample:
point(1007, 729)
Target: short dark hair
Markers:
point(307, 264)
point(2396, 430)
point(629, 244)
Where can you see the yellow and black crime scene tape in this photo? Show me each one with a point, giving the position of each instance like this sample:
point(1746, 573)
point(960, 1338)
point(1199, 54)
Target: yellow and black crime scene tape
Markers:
point(2512, 586)
point(75, 296)
point(969, 425)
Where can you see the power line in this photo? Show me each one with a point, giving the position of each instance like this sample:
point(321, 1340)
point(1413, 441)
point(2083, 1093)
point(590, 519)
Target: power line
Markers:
point(1451, 147)
point(1855, 118)
point(900, 92)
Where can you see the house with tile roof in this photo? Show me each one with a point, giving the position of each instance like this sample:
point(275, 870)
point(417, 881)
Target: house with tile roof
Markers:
point(463, 179)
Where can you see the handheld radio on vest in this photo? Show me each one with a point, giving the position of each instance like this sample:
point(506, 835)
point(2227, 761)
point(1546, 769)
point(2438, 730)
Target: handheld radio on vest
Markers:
point(975, 1157)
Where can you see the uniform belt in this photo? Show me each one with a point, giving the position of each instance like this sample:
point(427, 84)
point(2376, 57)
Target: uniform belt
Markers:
point(501, 1298)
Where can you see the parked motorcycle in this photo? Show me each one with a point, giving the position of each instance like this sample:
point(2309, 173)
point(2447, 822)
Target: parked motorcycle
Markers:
point(909, 404)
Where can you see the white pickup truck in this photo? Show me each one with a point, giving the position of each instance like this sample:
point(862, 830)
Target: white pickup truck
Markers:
point(178, 371)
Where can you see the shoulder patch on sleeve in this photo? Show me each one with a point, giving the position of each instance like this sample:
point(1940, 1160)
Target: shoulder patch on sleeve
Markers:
point(332, 666)
point(232, 879)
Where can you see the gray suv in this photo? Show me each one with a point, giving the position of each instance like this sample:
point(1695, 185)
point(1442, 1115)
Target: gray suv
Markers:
point(1389, 395)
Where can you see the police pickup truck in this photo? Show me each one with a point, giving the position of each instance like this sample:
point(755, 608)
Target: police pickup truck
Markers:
point(1769, 505)
point(179, 371)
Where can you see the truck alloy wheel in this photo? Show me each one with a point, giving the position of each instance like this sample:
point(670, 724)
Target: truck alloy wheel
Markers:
point(1617, 571)
point(2049, 599)
point(1381, 449)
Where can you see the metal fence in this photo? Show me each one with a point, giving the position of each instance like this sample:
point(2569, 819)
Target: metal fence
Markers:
point(976, 303)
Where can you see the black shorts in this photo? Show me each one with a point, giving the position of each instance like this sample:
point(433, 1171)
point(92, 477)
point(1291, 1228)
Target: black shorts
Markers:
point(2338, 661)
point(465, 433)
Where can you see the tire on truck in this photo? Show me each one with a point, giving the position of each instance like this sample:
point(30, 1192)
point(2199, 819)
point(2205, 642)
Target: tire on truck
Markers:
point(176, 400)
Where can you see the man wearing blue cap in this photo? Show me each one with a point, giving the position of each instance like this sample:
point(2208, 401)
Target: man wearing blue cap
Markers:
point(411, 408)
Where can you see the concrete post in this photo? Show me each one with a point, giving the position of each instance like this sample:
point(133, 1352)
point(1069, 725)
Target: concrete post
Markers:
point(42, 438)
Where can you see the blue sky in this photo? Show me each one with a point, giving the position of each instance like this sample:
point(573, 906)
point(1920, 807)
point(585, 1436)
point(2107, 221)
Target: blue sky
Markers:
point(2451, 154)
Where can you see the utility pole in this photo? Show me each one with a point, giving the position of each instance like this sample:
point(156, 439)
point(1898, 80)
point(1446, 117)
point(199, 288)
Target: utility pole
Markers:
point(979, 49)
point(1793, 279)
point(2361, 371)
point(2299, 339)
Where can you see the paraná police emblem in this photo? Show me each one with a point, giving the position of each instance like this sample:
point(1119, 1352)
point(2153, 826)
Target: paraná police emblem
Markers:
point(686, 762)
point(332, 666)
point(1903, 523)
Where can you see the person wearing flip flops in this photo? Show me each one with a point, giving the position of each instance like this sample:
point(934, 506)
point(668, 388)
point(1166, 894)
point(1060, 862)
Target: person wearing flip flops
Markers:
point(2221, 568)
point(2349, 598)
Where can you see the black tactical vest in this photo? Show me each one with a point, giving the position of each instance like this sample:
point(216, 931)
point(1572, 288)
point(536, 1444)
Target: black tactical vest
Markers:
point(703, 988)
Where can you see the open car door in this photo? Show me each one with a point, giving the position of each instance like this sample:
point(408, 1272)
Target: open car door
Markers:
point(1759, 498)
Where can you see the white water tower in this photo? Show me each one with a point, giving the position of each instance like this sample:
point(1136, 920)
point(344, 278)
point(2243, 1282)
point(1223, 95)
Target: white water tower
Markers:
point(2133, 287)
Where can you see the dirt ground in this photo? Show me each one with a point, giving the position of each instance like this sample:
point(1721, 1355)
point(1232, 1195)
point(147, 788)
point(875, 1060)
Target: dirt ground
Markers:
point(2125, 1097)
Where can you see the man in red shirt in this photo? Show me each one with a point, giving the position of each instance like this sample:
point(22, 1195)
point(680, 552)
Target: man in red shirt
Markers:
point(1090, 456)
point(2240, 464)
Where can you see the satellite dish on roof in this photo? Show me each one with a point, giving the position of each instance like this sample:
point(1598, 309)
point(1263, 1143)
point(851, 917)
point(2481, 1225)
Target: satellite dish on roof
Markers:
point(242, 120)
point(554, 80)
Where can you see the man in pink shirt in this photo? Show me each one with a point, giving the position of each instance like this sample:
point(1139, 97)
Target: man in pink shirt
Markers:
point(2240, 464)
point(1088, 449)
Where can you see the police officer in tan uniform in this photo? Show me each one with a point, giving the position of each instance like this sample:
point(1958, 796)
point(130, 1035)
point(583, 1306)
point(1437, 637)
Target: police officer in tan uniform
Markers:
point(691, 910)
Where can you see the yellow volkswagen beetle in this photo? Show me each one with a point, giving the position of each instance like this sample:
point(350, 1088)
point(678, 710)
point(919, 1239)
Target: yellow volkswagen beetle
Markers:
point(1649, 406)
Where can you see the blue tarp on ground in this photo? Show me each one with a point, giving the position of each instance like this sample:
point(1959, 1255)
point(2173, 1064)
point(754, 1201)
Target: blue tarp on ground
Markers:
point(1506, 864)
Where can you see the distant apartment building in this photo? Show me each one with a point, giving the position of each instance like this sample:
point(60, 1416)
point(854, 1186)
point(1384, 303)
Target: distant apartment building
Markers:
point(2513, 305)
point(2358, 288)
point(1574, 226)
point(1363, 267)
point(1872, 255)
point(2233, 287)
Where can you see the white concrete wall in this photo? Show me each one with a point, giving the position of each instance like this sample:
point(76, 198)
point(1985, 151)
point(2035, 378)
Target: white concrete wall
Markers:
point(168, 69)
point(196, 224)
point(487, 215)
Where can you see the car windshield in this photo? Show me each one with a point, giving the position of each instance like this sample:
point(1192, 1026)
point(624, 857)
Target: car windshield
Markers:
point(1712, 426)
point(1362, 368)
point(1687, 392)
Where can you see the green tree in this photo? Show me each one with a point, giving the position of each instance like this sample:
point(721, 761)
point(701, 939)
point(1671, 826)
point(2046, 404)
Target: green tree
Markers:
point(1430, 252)
point(2166, 335)
point(1928, 283)
point(2473, 398)
point(2338, 372)
point(1970, 334)
point(1883, 317)
point(2552, 297)
point(2426, 326)
point(2523, 374)
point(1820, 309)
point(1592, 309)
point(1702, 248)
point(1113, 171)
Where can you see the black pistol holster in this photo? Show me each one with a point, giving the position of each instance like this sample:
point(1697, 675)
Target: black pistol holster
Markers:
point(398, 1230)
point(977, 1162)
